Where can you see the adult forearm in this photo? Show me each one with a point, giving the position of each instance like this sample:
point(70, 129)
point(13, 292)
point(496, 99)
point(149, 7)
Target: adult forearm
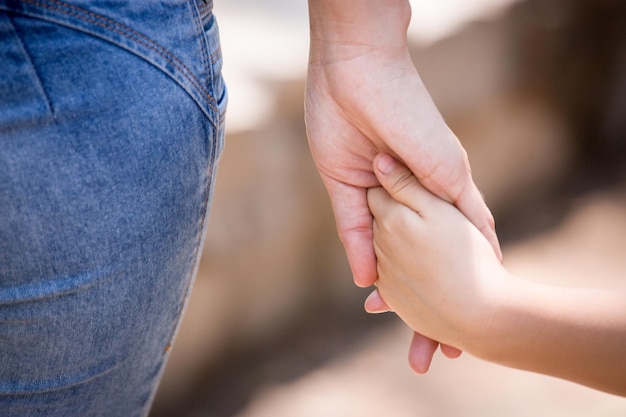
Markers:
point(349, 24)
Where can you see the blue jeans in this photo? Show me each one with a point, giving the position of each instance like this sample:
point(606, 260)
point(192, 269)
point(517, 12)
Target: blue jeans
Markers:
point(111, 124)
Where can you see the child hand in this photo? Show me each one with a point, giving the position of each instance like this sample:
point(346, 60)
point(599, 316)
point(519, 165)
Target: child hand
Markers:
point(441, 276)
point(435, 269)
point(422, 348)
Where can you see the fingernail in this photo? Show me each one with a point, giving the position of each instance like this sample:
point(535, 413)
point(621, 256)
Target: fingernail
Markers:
point(385, 163)
point(374, 297)
point(368, 301)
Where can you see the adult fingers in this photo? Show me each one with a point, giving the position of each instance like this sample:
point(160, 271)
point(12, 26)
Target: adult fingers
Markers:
point(450, 351)
point(421, 353)
point(354, 225)
point(472, 205)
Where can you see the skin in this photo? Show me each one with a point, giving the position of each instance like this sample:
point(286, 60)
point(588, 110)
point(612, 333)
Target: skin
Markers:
point(441, 276)
point(364, 96)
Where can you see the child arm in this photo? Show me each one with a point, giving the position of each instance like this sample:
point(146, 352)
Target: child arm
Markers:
point(441, 276)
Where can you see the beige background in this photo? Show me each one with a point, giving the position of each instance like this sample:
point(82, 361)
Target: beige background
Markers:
point(276, 328)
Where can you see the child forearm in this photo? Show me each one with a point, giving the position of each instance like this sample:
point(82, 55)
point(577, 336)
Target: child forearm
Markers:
point(571, 333)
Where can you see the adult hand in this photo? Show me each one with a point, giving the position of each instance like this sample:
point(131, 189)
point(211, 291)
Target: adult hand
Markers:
point(364, 96)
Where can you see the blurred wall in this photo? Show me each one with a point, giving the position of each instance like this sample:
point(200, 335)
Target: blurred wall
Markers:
point(535, 91)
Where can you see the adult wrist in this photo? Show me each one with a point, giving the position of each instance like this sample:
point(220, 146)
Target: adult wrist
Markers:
point(354, 25)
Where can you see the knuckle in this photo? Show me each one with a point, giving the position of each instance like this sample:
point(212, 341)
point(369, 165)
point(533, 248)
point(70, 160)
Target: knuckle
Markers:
point(401, 182)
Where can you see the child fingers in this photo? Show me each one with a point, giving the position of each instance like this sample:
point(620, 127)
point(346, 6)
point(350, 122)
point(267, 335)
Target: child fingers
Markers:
point(378, 201)
point(400, 183)
point(389, 215)
point(375, 304)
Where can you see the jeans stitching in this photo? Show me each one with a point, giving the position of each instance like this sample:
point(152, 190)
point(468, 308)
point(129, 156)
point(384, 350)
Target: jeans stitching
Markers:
point(12, 388)
point(32, 65)
point(133, 35)
point(215, 56)
point(200, 32)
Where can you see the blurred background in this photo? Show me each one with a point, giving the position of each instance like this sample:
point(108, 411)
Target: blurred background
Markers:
point(535, 90)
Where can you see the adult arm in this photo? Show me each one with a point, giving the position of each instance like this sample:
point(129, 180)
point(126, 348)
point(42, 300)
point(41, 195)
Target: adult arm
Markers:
point(364, 96)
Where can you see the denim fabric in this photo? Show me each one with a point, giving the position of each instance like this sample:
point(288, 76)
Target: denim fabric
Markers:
point(111, 125)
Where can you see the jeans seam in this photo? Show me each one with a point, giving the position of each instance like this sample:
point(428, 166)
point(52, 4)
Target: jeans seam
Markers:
point(32, 65)
point(215, 56)
point(204, 46)
point(39, 387)
point(130, 34)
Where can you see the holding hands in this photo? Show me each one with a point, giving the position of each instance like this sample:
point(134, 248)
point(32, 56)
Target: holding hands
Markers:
point(364, 96)
point(441, 276)
point(429, 241)
point(435, 268)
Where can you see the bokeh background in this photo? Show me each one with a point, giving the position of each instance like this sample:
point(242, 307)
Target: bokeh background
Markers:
point(535, 90)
